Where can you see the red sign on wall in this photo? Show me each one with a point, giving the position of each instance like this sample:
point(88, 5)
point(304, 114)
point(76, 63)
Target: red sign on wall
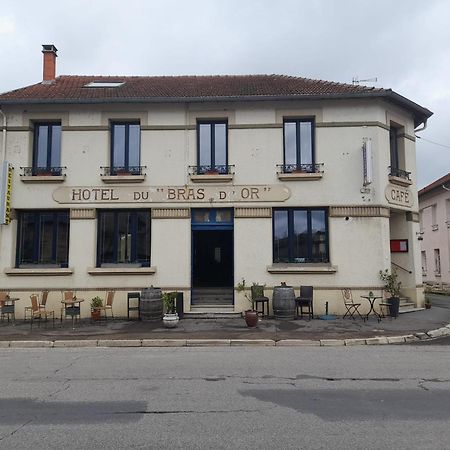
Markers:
point(399, 245)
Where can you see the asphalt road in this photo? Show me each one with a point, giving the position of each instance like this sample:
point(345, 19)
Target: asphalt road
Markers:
point(377, 397)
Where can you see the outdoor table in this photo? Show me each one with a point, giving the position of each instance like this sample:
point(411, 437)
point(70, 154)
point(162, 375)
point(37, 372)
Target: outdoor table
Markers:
point(371, 299)
point(9, 307)
point(72, 308)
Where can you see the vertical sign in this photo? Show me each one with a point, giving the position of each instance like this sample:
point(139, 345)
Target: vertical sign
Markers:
point(5, 193)
point(367, 162)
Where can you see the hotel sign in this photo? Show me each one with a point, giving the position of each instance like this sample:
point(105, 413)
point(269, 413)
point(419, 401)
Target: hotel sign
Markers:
point(5, 193)
point(171, 194)
point(398, 195)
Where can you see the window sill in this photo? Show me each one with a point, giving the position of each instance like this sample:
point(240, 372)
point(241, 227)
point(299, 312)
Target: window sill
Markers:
point(39, 272)
point(212, 178)
point(302, 268)
point(303, 176)
point(43, 178)
point(123, 178)
point(399, 181)
point(122, 270)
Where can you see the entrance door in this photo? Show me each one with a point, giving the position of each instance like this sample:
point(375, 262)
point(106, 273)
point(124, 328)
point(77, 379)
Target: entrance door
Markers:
point(212, 257)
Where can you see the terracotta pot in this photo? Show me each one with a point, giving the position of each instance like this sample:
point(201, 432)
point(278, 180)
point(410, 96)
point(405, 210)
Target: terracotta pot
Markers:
point(96, 314)
point(427, 305)
point(251, 318)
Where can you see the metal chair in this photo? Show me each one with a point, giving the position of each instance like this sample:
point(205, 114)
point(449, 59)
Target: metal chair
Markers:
point(305, 301)
point(108, 303)
point(68, 308)
point(42, 303)
point(4, 296)
point(350, 305)
point(37, 312)
point(257, 292)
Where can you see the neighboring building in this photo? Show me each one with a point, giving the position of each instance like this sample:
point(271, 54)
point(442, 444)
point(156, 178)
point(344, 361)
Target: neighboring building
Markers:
point(192, 183)
point(434, 209)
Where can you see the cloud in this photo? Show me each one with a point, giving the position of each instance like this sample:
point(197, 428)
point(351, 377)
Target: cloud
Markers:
point(7, 25)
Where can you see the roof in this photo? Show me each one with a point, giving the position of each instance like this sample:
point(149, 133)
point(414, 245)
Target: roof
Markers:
point(72, 89)
point(445, 180)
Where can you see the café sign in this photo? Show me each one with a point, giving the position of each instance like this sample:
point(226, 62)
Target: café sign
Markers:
point(171, 194)
point(398, 195)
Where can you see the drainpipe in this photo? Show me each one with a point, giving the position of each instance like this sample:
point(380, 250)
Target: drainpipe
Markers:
point(4, 136)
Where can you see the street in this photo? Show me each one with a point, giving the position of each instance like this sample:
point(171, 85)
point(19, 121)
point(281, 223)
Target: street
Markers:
point(371, 397)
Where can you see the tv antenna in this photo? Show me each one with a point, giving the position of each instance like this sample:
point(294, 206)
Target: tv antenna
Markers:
point(356, 80)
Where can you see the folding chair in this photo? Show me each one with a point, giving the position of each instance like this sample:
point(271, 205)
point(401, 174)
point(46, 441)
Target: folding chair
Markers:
point(108, 303)
point(42, 303)
point(350, 305)
point(37, 312)
point(258, 297)
point(305, 301)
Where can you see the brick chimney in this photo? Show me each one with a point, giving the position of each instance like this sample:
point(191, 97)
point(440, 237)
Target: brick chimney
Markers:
point(49, 66)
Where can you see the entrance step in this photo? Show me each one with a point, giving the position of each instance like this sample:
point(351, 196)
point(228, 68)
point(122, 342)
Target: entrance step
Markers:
point(407, 305)
point(219, 311)
point(408, 310)
point(212, 296)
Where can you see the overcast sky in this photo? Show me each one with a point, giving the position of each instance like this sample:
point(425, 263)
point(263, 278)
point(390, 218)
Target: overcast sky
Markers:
point(404, 43)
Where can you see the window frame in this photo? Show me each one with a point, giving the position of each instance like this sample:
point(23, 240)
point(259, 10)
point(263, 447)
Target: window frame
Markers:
point(57, 215)
point(50, 151)
point(298, 153)
point(212, 123)
point(126, 166)
point(290, 212)
point(134, 240)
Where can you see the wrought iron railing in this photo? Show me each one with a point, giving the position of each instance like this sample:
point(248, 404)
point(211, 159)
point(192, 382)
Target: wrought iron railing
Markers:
point(122, 170)
point(300, 168)
point(223, 169)
point(400, 173)
point(42, 171)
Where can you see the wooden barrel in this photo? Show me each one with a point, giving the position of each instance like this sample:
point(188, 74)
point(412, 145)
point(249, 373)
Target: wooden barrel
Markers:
point(151, 305)
point(283, 302)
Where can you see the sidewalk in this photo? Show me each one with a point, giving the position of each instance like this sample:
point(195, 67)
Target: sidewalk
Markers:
point(407, 327)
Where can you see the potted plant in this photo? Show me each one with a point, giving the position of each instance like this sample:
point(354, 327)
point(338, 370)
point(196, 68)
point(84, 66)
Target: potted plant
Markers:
point(392, 286)
point(250, 315)
point(96, 308)
point(170, 318)
point(427, 303)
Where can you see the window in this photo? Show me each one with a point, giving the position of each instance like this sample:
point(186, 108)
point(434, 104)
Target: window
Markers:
point(125, 148)
point(437, 262)
point(123, 238)
point(43, 238)
point(397, 152)
point(298, 135)
point(47, 149)
point(300, 235)
point(424, 263)
point(212, 145)
point(434, 221)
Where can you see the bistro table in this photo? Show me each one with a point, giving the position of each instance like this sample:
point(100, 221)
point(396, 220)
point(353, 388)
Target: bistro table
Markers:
point(371, 299)
point(8, 306)
point(72, 308)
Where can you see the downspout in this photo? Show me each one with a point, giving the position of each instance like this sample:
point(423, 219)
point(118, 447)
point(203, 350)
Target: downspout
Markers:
point(4, 137)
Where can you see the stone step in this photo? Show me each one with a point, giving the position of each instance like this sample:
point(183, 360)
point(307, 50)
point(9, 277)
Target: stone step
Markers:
point(212, 315)
point(408, 310)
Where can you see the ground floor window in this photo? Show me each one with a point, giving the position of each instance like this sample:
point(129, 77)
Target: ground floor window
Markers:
point(43, 239)
point(123, 237)
point(300, 235)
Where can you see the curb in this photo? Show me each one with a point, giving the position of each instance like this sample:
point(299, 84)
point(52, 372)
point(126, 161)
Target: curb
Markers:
point(124, 343)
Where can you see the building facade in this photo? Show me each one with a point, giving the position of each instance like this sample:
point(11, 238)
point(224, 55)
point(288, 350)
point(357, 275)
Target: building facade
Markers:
point(196, 183)
point(434, 204)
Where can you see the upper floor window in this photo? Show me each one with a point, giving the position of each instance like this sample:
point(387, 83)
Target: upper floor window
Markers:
point(47, 149)
point(397, 152)
point(300, 235)
point(123, 237)
point(43, 238)
point(125, 148)
point(212, 147)
point(298, 136)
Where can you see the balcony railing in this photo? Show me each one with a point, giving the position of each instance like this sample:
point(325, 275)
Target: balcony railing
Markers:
point(122, 170)
point(42, 171)
point(224, 169)
point(395, 172)
point(300, 168)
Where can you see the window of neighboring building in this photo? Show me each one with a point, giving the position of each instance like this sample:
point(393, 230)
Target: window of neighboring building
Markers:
point(300, 235)
point(123, 237)
point(434, 221)
point(212, 146)
point(298, 135)
point(437, 262)
point(43, 238)
point(125, 147)
point(47, 149)
point(424, 263)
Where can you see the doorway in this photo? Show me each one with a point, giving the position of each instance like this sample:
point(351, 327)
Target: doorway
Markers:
point(212, 257)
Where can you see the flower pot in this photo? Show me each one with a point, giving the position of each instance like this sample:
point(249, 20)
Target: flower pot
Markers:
point(171, 320)
point(96, 314)
point(251, 318)
point(427, 305)
point(394, 303)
